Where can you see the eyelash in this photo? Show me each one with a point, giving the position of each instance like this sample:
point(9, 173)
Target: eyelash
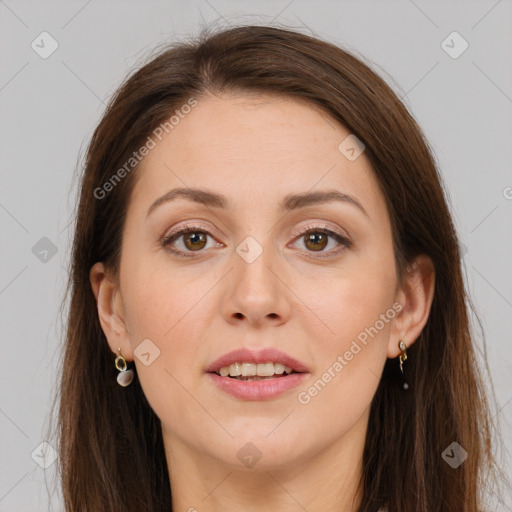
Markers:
point(345, 242)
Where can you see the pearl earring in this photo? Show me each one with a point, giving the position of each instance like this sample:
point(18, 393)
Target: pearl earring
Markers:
point(125, 375)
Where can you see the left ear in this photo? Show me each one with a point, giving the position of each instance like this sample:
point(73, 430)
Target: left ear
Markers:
point(416, 297)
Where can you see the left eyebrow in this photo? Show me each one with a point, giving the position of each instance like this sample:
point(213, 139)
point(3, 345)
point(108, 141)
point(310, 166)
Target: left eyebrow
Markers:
point(295, 201)
point(289, 203)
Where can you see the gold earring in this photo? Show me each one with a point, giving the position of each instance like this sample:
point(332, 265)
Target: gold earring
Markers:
point(403, 355)
point(125, 375)
point(402, 358)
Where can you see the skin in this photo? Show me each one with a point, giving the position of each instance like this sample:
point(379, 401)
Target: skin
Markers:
point(256, 150)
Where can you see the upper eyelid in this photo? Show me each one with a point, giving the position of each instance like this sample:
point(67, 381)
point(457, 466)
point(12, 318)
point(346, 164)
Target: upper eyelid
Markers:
point(295, 232)
point(177, 232)
point(197, 227)
point(324, 225)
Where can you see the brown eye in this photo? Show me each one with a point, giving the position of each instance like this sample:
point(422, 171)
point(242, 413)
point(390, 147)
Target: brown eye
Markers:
point(191, 239)
point(316, 241)
point(195, 240)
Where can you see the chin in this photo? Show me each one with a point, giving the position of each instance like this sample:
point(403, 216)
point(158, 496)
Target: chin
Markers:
point(259, 449)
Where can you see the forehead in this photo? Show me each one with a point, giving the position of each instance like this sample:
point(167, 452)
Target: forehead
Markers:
point(255, 149)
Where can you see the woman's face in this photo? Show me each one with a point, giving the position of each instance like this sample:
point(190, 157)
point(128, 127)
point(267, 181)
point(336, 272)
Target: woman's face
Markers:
point(248, 277)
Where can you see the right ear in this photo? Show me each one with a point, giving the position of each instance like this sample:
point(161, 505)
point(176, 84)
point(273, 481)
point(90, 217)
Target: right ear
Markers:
point(110, 310)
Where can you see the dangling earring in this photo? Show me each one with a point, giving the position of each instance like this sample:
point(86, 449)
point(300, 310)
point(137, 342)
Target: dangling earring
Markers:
point(402, 358)
point(125, 375)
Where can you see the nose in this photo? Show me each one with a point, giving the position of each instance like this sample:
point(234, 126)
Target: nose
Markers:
point(256, 293)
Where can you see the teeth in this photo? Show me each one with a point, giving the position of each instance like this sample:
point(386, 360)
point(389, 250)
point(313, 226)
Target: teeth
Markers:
point(280, 368)
point(249, 369)
point(252, 370)
point(235, 369)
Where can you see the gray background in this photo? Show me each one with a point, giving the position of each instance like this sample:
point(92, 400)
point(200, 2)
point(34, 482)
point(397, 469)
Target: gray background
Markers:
point(49, 108)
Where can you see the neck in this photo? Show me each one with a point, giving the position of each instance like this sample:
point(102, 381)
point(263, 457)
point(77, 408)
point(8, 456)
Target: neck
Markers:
point(322, 478)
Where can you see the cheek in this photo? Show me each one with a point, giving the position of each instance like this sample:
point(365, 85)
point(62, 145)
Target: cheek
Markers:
point(159, 303)
point(357, 315)
point(349, 363)
point(173, 317)
point(170, 306)
point(342, 304)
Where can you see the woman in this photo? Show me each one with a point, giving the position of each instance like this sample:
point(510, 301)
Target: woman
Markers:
point(265, 259)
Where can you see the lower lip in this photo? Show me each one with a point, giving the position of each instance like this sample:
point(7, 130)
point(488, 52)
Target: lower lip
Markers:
point(257, 389)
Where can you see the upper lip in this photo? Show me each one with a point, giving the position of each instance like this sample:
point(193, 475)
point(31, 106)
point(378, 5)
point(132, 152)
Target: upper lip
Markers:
point(266, 355)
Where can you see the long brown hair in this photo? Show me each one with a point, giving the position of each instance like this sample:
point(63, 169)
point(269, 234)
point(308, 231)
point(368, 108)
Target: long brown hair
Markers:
point(110, 441)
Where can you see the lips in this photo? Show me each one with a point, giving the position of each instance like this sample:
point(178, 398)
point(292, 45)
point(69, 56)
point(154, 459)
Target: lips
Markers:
point(267, 355)
point(257, 390)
